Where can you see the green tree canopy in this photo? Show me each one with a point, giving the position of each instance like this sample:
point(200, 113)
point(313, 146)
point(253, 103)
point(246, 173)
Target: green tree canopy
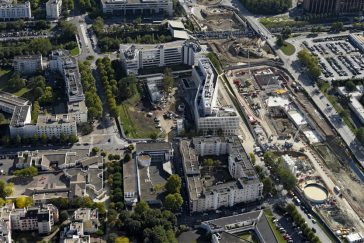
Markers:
point(174, 184)
point(173, 202)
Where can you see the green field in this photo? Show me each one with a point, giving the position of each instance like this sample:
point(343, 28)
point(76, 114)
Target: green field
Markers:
point(135, 123)
point(75, 51)
point(288, 49)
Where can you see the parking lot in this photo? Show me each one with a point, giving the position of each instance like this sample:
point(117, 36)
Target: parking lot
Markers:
point(338, 58)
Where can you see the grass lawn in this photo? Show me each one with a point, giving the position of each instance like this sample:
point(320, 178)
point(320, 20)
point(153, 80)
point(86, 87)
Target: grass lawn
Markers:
point(288, 49)
point(278, 235)
point(75, 51)
point(134, 122)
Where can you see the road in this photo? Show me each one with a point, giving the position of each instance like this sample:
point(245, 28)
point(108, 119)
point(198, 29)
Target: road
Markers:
point(293, 66)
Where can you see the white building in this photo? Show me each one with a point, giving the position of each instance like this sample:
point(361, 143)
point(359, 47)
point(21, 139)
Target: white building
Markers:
point(56, 125)
point(135, 57)
point(53, 9)
point(244, 186)
point(10, 11)
point(209, 117)
point(289, 163)
point(5, 231)
point(357, 40)
point(355, 105)
point(74, 233)
point(28, 64)
point(137, 7)
point(29, 219)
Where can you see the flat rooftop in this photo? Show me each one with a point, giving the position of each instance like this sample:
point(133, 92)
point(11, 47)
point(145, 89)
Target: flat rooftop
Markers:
point(130, 179)
point(12, 100)
point(152, 146)
point(19, 115)
point(241, 222)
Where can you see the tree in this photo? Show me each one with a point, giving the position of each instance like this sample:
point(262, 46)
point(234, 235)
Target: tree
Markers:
point(267, 185)
point(267, 6)
point(16, 82)
point(337, 26)
point(122, 239)
point(27, 172)
point(38, 92)
point(127, 157)
point(350, 86)
point(174, 184)
point(253, 159)
point(279, 41)
point(6, 189)
point(63, 216)
point(173, 202)
point(141, 207)
point(168, 80)
point(68, 30)
point(360, 135)
point(2, 118)
point(95, 150)
point(286, 32)
point(23, 202)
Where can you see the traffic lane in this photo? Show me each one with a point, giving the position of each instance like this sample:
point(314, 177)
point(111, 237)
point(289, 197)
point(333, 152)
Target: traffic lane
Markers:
point(319, 232)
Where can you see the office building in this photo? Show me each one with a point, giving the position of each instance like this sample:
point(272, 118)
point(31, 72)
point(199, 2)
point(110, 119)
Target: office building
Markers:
point(333, 6)
point(10, 11)
point(222, 188)
point(137, 7)
point(135, 57)
point(53, 9)
point(28, 64)
point(210, 118)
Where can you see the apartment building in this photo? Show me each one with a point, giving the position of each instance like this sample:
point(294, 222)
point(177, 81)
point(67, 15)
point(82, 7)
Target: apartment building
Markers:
point(137, 7)
point(5, 223)
point(207, 194)
point(74, 233)
point(29, 219)
point(135, 57)
point(29, 64)
point(89, 217)
point(210, 118)
point(62, 62)
point(53, 9)
point(333, 6)
point(55, 125)
point(10, 11)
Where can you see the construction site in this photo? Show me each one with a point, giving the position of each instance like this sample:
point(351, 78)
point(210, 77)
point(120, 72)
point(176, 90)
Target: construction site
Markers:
point(282, 118)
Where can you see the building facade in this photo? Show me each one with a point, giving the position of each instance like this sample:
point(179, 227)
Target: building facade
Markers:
point(137, 7)
point(245, 185)
point(333, 6)
point(28, 64)
point(211, 119)
point(135, 57)
point(15, 11)
point(29, 219)
point(53, 9)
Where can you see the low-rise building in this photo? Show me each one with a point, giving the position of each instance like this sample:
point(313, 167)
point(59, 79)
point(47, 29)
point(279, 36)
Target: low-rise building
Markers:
point(228, 229)
point(53, 9)
point(137, 7)
point(355, 105)
point(74, 233)
point(89, 217)
point(10, 11)
point(223, 188)
point(29, 64)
